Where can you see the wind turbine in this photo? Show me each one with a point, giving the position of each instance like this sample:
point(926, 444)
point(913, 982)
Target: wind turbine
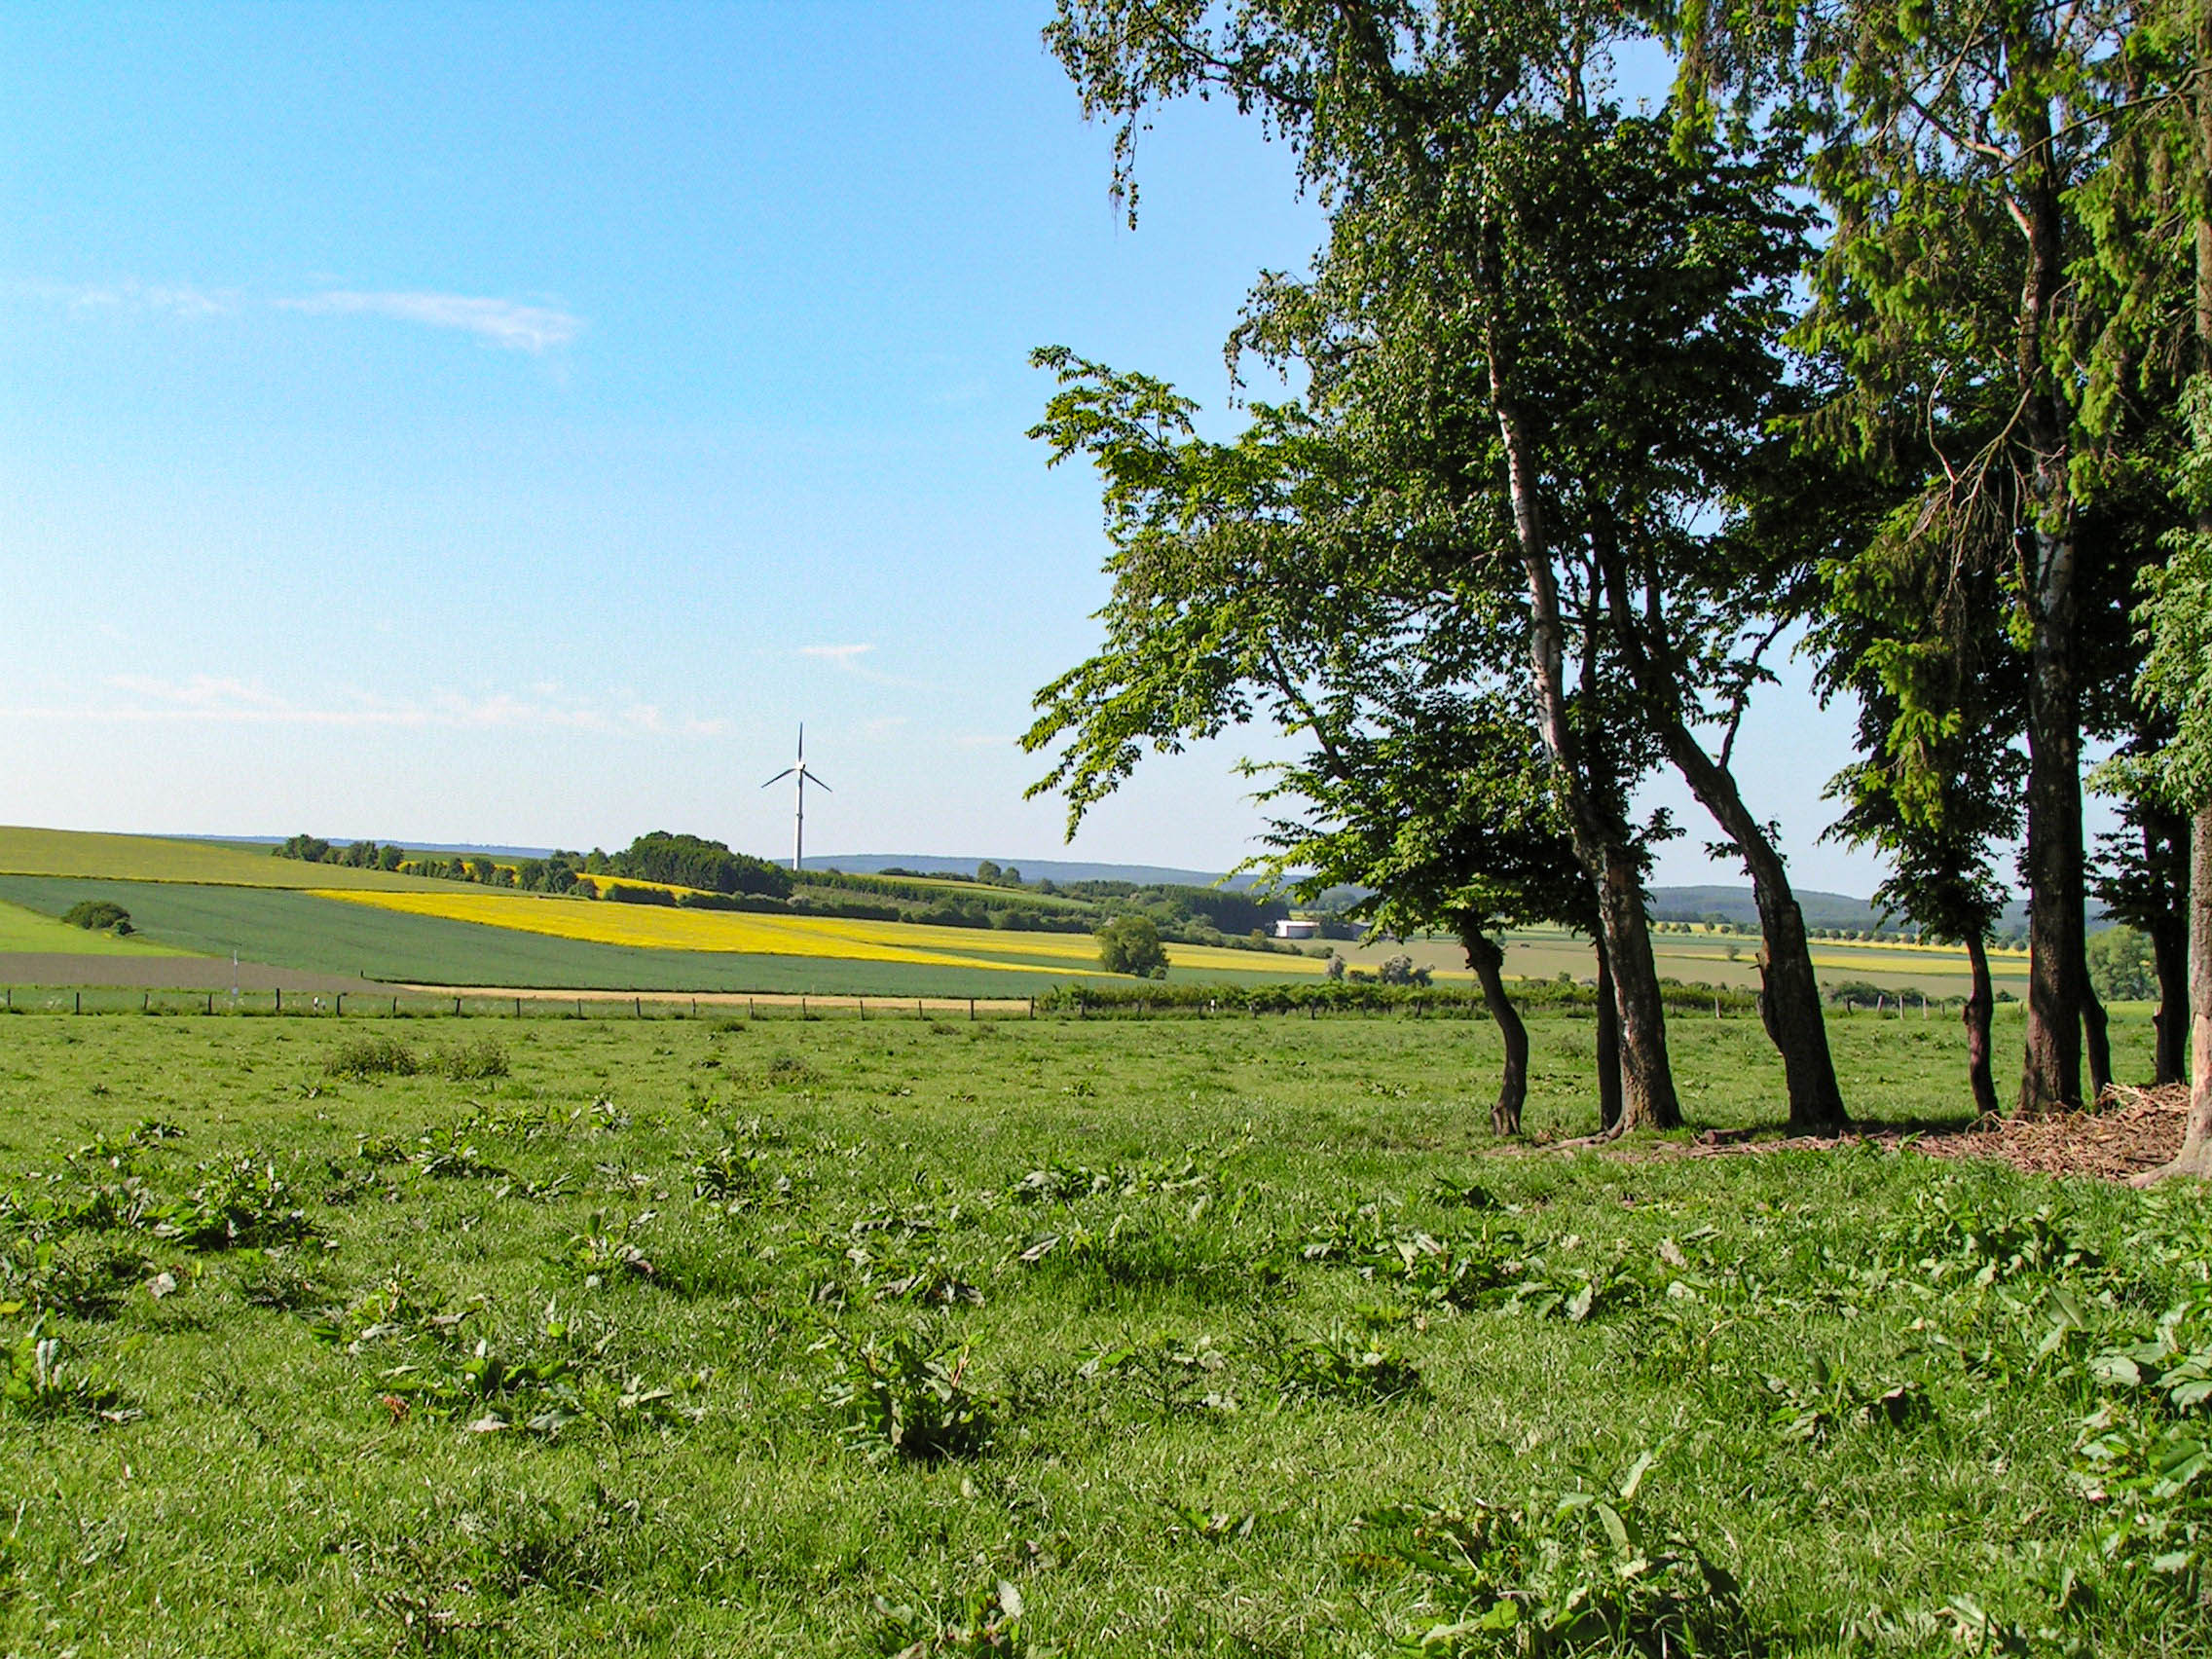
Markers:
point(797, 771)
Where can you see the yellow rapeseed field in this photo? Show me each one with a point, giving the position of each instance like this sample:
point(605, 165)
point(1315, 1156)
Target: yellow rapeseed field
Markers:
point(655, 927)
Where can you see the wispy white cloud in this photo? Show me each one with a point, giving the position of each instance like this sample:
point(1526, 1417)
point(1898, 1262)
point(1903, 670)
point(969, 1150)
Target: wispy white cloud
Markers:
point(502, 322)
point(216, 700)
point(507, 323)
point(130, 296)
point(846, 657)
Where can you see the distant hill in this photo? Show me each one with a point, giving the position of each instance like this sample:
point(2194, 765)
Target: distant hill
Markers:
point(452, 849)
point(1032, 870)
point(1735, 903)
point(1821, 910)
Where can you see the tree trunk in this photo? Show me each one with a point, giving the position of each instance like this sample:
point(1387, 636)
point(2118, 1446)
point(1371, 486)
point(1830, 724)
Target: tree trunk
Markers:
point(2169, 953)
point(2195, 1156)
point(2097, 1032)
point(2057, 963)
point(1487, 960)
point(1608, 1045)
point(1979, 1004)
point(1789, 1000)
point(1601, 843)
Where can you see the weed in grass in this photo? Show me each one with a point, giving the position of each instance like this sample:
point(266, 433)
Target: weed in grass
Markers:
point(1339, 1364)
point(736, 1178)
point(787, 1071)
point(40, 1384)
point(905, 1396)
point(983, 1621)
point(1581, 1574)
point(240, 1203)
point(2146, 1452)
point(479, 1061)
point(85, 1277)
point(363, 1059)
point(273, 1280)
point(1169, 1375)
point(606, 1253)
point(2055, 1503)
point(450, 1155)
point(1830, 1398)
point(540, 1383)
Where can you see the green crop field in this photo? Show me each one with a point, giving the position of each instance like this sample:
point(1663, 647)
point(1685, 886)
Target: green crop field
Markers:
point(214, 899)
point(327, 935)
point(22, 930)
point(1132, 1338)
point(152, 858)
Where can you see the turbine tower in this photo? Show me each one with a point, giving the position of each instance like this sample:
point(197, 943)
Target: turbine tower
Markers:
point(801, 777)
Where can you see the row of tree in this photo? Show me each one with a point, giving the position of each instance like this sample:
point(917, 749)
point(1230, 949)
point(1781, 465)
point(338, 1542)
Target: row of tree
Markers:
point(1886, 337)
point(355, 855)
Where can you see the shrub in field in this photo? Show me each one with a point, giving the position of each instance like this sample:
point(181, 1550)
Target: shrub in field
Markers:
point(364, 1057)
point(905, 1396)
point(1130, 945)
point(473, 1062)
point(99, 915)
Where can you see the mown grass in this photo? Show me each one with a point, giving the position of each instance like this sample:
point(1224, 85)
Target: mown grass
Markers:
point(1194, 1338)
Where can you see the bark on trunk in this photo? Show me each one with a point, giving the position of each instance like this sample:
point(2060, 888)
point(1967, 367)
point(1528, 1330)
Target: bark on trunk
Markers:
point(1980, 1003)
point(2098, 1037)
point(2058, 966)
point(1601, 844)
point(1488, 960)
point(1789, 998)
point(2169, 954)
point(2195, 1156)
point(1608, 1045)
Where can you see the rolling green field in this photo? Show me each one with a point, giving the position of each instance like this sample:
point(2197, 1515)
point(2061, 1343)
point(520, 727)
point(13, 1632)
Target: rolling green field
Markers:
point(1236, 1337)
point(22, 930)
point(297, 930)
point(211, 899)
point(154, 857)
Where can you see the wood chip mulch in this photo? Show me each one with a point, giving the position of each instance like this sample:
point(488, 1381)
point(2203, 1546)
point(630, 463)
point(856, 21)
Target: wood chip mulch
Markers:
point(2130, 1131)
point(2127, 1132)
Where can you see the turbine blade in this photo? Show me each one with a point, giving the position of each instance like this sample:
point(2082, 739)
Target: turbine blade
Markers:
point(780, 776)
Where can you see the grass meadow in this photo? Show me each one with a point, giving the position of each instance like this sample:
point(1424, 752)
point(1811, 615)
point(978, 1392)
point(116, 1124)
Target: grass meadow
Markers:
point(1114, 1336)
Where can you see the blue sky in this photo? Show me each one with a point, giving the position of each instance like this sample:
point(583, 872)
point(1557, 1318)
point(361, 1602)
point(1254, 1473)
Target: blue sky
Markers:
point(504, 424)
